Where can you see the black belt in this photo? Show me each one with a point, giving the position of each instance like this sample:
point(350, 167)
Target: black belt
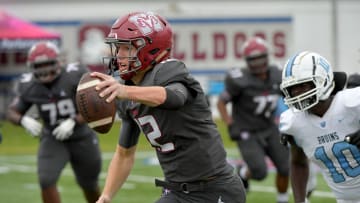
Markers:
point(183, 187)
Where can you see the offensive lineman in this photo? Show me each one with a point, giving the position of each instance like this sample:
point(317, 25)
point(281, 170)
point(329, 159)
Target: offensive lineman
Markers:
point(321, 115)
point(161, 99)
point(64, 135)
point(254, 93)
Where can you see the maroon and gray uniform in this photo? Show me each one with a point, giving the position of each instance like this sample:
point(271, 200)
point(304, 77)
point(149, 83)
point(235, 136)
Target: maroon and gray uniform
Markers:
point(253, 105)
point(187, 142)
point(55, 103)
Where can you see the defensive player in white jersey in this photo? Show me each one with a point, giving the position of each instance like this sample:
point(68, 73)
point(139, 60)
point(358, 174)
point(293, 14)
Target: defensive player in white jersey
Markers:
point(320, 116)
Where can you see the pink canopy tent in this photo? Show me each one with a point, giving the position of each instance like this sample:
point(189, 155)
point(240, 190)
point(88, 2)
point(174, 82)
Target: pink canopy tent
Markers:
point(17, 35)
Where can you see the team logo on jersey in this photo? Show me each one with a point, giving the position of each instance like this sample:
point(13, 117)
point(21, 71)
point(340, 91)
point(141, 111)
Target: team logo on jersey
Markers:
point(340, 120)
point(323, 124)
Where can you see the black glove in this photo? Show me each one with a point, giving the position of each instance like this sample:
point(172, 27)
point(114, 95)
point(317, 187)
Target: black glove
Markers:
point(233, 132)
point(353, 138)
point(286, 139)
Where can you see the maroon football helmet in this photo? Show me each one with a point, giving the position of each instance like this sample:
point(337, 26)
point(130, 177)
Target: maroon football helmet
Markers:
point(149, 33)
point(256, 55)
point(43, 60)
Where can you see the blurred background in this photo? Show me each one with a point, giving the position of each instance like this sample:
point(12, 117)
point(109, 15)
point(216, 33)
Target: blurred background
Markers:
point(208, 34)
point(208, 37)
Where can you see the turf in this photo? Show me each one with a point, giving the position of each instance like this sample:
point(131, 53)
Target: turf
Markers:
point(19, 182)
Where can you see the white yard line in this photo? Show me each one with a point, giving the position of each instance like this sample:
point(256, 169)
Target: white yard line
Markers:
point(11, 163)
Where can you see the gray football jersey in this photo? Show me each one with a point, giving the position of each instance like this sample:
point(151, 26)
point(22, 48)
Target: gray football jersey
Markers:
point(55, 102)
point(253, 100)
point(187, 142)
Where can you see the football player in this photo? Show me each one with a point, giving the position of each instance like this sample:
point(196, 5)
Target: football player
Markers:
point(321, 114)
point(64, 136)
point(313, 169)
point(254, 92)
point(160, 98)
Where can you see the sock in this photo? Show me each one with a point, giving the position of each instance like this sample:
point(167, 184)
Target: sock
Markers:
point(283, 197)
point(243, 172)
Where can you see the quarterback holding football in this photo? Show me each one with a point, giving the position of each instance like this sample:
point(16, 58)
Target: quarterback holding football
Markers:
point(160, 98)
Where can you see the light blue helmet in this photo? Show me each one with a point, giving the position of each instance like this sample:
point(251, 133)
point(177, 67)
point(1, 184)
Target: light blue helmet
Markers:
point(307, 67)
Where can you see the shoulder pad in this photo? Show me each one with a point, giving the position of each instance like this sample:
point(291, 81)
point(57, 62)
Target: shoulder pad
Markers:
point(174, 71)
point(275, 67)
point(75, 67)
point(235, 80)
point(170, 71)
point(276, 72)
point(75, 70)
point(235, 73)
point(23, 83)
point(351, 97)
point(286, 121)
point(275, 77)
point(25, 78)
point(72, 67)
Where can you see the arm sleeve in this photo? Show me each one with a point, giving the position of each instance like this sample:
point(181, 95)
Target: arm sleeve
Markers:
point(20, 105)
point(225, 97)
point(129, 133)
point(176, 96)
point(21, 102)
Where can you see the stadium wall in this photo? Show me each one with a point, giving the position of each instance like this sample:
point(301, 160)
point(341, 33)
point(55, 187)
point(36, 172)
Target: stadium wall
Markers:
point(327, 26)
point(209, 34)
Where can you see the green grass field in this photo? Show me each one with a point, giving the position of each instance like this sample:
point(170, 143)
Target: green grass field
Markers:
point(19, 182)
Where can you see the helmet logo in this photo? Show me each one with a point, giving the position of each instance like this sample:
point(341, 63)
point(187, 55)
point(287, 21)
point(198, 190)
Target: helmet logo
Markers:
point(147, 23)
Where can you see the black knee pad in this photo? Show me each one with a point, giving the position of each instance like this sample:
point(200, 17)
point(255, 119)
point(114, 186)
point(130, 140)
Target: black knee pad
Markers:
point(284, 171)
point(89, 183)
point(258, 174)
point(47, 180)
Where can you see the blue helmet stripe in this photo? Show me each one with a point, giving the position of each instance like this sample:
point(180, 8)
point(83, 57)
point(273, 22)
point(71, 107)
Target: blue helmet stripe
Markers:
point(324, 64)
point(289, 65)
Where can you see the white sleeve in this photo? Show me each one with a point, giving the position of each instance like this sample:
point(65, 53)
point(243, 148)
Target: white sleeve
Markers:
point(351, 97)
point(285, 122)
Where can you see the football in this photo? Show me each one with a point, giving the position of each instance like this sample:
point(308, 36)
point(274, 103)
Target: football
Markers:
point(98, 113)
